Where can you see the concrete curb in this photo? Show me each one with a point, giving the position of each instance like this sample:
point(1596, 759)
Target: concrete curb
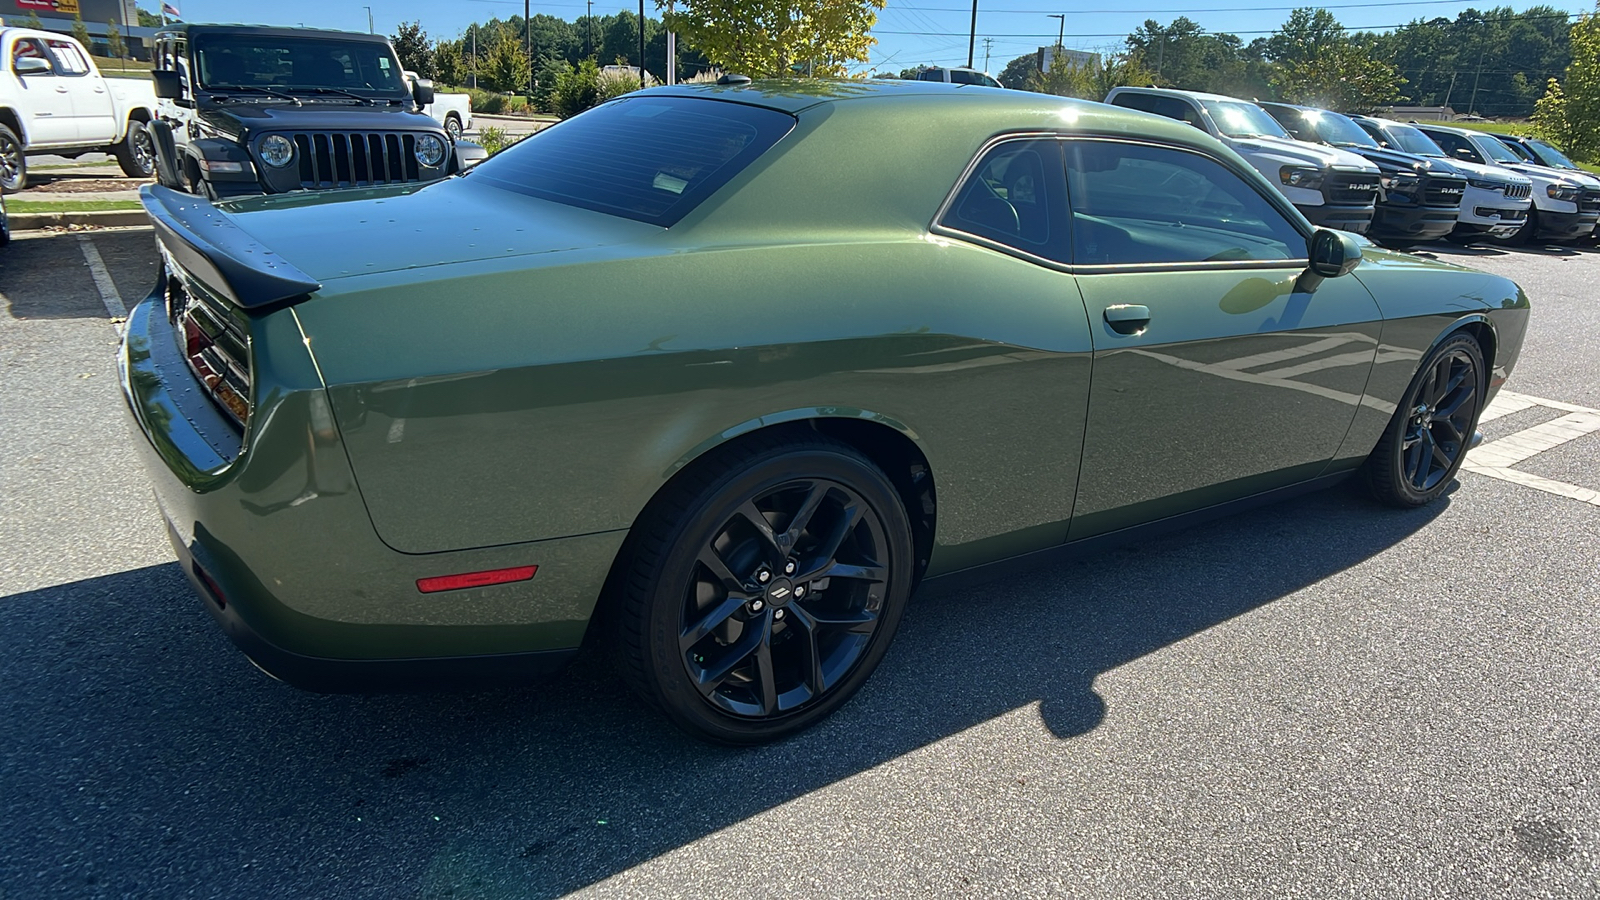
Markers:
point(107, 218)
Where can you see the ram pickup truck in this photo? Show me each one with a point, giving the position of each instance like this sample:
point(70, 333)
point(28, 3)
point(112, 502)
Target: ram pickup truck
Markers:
point(1331, 187)
point(54, 100)
point(453, 111)
point(257, 110)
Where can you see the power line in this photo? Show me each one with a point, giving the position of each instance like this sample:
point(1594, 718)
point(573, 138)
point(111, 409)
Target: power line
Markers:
point(1141, 12)
point(1122, 34)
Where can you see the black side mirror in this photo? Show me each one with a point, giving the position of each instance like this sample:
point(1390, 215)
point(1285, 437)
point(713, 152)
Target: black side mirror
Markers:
point(422, 92)
point(168, 85)
point(1333, 253)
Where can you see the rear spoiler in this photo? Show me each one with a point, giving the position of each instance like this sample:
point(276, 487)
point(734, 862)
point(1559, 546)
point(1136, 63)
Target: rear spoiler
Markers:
point(206, 242)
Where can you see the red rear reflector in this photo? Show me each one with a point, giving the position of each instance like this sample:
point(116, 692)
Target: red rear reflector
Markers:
point(475, 579)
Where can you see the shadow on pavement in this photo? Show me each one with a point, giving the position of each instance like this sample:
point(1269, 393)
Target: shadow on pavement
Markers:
point(45, 276)
point(141, 755)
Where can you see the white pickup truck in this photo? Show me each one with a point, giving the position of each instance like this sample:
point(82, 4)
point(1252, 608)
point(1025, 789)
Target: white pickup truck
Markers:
point(453, 111)
point(54, 100)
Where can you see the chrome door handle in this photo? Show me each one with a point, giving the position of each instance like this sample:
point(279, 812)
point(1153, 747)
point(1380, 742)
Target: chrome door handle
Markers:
point(1127, 318)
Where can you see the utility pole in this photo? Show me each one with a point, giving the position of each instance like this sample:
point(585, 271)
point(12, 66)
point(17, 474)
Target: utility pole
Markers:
point(369, 20)
point(672, 51)
point(474, 75)
point(972, 36)
point(527, 44)
point(588, 30)
point(1061, 35)
point(642, 85)
point(1472, 105)
point(988, 44)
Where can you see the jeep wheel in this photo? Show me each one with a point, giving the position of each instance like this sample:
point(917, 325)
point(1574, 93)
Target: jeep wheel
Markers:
point(137, 152)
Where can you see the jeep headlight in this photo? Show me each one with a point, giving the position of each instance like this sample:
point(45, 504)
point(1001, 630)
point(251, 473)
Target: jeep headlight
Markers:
point(1562, 192)
point(277, 151)
point(1301, 177)
point(430, 149)
point(1485, 184)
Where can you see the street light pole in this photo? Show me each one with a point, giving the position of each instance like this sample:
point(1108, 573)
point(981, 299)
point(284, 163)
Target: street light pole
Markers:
point(972, 36)
point(369, 19)
point(1061, 35)
point(642, 85)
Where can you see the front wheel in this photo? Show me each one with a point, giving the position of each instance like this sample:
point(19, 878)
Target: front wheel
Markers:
point(762, 588)
point(137, 152)
point(452, 127)
point(1430, 434)
point(13, 161)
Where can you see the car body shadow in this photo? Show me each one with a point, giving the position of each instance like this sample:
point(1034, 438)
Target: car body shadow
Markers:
point(142, 755)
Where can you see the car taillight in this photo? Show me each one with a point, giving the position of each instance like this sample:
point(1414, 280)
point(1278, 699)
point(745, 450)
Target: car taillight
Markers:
point(215, 345)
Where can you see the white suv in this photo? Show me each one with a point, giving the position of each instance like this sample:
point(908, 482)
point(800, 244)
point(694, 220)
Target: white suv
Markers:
point(1555, 214)
point(957, 75)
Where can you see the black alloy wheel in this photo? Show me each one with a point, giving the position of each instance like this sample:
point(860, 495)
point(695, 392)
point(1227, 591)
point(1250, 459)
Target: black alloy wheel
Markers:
point(1429, 437)
point(136, 155)
point(763, 589)
point(13, 161)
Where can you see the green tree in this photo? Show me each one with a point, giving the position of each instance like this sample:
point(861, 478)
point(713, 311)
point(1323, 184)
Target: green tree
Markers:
point(1019, 73)
point(411, 44)
point(576, 89)
point(1569, 112)
point(80, 31)
point(114, 43)
point(448, 67)
point(147, 19)
point(1319, 65)
point(507, 68)
point(1090, 81)
point(768, 38)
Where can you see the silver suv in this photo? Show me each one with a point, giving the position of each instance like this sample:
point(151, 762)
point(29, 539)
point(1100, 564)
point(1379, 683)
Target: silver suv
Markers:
point(957, 75)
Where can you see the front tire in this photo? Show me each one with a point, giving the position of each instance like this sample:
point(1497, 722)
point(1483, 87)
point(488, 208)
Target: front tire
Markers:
point(13, 161)
point(763, 587)
point(137, 152)
point(1430, 434)
point(452, 127)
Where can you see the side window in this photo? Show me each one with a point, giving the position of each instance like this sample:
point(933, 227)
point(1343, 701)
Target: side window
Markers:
point(1014, 197)
point(28, 48)
point(1377, 134)
point(1292, 122)
point(1454, 145)
point(1135, 203)
point(959, 77)
point(68, 60)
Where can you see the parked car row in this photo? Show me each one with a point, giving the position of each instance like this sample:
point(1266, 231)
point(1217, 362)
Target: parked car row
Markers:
point(1402, 184)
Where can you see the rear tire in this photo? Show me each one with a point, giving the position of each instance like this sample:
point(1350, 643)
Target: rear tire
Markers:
point(1427, 440)
point(452, 127)
point(13, 161)
point(759, 591)
point(137, 152)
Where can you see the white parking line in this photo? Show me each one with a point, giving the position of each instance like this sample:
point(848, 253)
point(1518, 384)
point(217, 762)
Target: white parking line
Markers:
point(1496, 458)
point(102, 281)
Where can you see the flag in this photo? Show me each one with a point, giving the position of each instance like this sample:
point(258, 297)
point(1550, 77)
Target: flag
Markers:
point(167, 9)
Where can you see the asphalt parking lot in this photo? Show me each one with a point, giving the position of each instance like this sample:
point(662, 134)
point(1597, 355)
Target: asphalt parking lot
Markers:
point(1322, 698)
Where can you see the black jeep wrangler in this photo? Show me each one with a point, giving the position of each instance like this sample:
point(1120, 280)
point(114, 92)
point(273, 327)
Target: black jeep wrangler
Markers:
point(251, 110)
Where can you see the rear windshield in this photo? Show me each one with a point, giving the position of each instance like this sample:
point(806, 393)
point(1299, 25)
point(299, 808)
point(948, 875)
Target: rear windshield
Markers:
point(647, 158)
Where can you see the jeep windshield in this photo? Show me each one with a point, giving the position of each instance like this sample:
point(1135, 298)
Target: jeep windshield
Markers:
point(316, 67)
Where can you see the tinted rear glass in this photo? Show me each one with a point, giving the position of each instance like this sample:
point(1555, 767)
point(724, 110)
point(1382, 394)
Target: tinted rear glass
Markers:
point(647, 158)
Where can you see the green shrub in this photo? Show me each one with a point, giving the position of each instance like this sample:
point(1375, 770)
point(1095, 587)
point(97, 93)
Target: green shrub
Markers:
point(614, 84)
point(577, 90)
point(489, 103)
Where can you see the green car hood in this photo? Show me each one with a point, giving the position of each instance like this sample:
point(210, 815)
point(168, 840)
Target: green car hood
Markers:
point(337, 234)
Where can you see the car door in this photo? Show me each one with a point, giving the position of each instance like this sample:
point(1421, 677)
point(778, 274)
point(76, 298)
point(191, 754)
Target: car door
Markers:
point(46, 98)
point(1218, 371)
point(93, 112)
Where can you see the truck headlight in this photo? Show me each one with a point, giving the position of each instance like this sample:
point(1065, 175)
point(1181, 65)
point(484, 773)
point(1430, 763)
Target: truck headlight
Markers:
point(430, 150)
point(1301, 177)
point(277, 151)
point(1562, 192)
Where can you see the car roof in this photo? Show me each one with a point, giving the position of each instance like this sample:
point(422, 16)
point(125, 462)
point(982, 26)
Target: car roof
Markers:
point(1173, 92)
point(193, 30)
point(1458, 132)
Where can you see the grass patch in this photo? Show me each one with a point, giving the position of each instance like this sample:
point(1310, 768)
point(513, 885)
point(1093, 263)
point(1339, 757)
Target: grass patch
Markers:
point(50, 206)
point(72, 165)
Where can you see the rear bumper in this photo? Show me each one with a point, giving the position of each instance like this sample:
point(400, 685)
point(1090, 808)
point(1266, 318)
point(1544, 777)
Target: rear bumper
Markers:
point(1345, 218)
point(277, 539)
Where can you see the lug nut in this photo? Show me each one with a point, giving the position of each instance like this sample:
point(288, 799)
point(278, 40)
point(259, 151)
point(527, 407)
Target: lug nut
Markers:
point(777, 614)
point(757, 605)
point(788, 567)
point(799, 591)
point(763, 576)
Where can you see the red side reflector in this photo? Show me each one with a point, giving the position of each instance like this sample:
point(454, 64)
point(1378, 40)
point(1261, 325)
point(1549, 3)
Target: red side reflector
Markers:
point(475, 579)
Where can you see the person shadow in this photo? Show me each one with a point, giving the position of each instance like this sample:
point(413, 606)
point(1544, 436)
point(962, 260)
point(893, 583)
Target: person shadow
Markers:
point(143, 755)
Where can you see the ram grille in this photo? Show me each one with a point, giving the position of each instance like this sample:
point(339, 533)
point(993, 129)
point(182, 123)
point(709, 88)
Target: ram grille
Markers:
point(1589, 201)
point(1518, 191)
point(1438, 191)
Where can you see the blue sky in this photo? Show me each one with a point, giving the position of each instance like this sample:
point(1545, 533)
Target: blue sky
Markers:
point(909, 32)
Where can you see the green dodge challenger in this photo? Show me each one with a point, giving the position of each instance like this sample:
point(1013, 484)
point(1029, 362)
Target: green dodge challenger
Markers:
point(718, 374)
